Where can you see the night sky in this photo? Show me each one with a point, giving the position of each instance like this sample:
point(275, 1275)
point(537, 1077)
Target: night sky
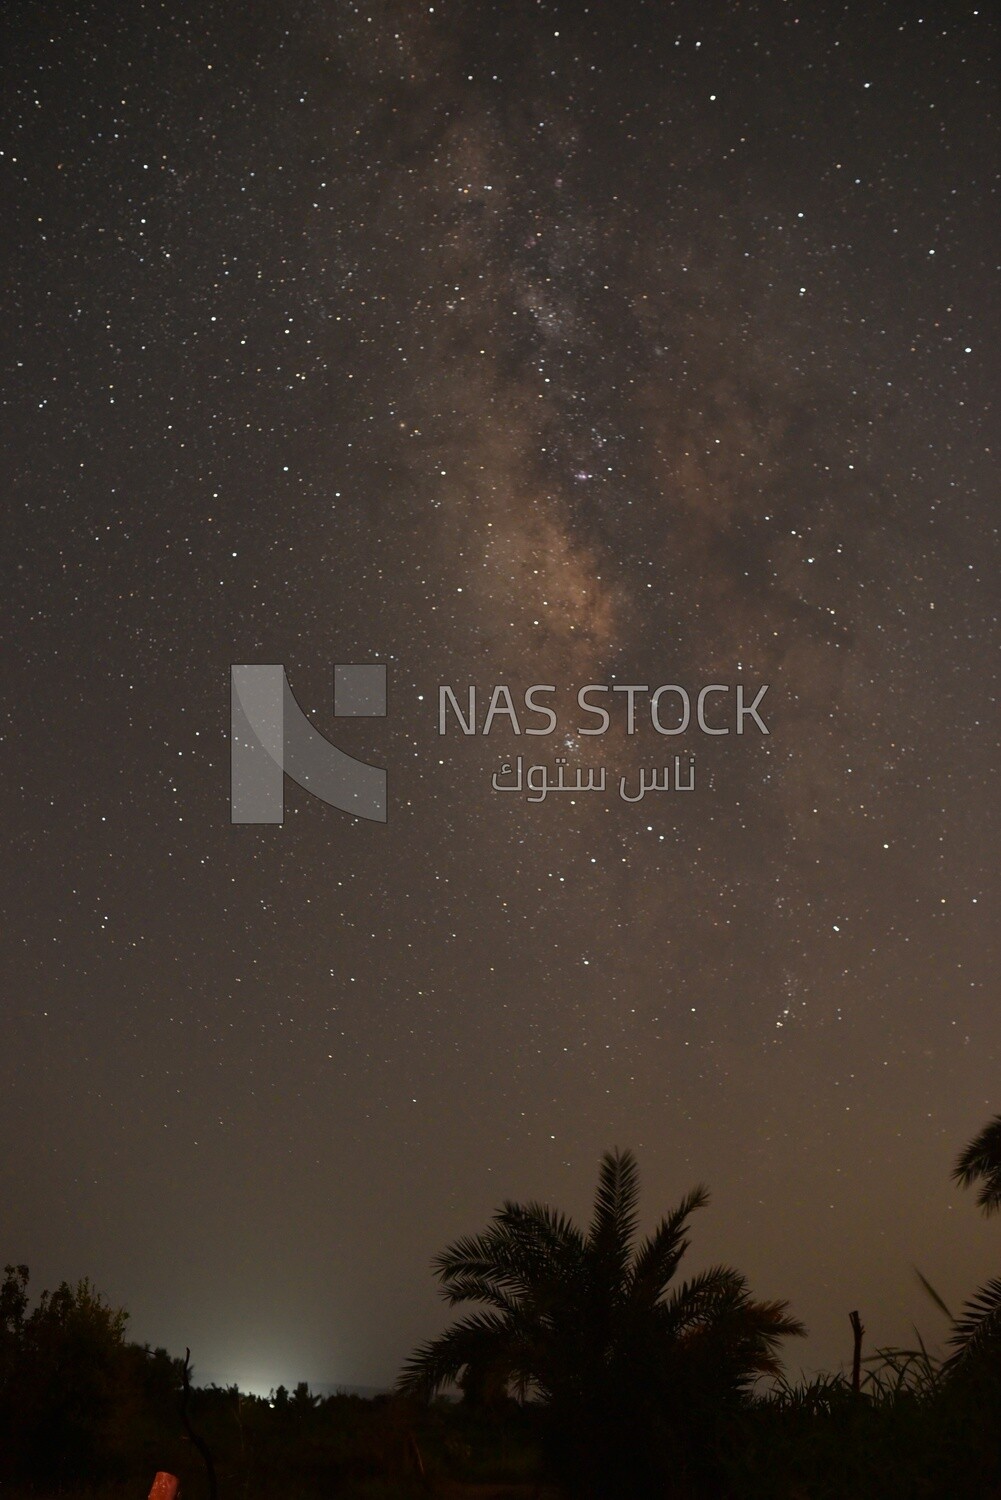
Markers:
point(503, 344)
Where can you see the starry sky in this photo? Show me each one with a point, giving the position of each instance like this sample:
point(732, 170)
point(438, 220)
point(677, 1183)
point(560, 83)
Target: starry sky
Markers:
point(503, 344)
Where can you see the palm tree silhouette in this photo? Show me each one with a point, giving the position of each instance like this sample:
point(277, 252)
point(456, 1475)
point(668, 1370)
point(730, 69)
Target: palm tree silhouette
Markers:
point(977, 1334)
point(592, 1327)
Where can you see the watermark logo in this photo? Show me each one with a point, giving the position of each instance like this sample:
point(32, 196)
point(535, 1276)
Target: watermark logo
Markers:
point(271, 738)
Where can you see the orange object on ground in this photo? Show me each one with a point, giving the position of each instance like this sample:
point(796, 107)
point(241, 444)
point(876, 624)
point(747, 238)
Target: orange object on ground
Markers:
point(165, 1487)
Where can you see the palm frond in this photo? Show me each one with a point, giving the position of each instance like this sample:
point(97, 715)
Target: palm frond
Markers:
point(980, 1162)
point(933, 1294)
point(758, 1329)
point(978, 1332)
point(543, 1226)
point(480, 1288)
point(479, 1339)
point(613, 1223)
point(658, 1257)
point(701, 1298)
point(714, 1312)
point(526, 1245)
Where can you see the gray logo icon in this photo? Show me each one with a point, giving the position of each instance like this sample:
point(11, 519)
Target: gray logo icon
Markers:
point(271, 738)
